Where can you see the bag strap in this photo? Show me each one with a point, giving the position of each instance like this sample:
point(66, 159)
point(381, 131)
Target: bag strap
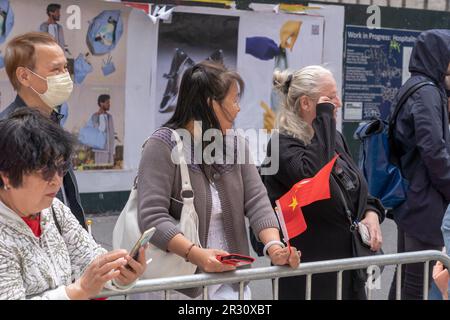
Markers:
point(405, 97)
point(393, 118)
point(352, 224)
point(186, 187)
point(58, 226)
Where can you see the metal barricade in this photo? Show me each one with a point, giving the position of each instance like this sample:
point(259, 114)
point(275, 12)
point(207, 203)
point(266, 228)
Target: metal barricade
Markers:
point(275, 272)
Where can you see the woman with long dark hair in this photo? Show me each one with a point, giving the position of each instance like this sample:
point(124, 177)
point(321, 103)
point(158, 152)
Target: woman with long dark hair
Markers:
point(208, 101)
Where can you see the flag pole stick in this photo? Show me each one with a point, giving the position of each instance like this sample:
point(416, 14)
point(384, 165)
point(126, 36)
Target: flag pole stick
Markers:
point(283, 227)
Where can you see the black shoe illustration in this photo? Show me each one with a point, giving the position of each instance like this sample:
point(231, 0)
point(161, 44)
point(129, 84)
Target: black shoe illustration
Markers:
point(216, 56)
point(180, 62)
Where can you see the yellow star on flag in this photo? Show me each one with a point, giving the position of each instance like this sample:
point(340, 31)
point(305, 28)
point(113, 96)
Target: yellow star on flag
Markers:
point(294, 203)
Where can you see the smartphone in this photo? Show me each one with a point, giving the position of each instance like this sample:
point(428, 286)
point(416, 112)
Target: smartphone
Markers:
point(145, 237)
point(364, 233)
point(235, 259)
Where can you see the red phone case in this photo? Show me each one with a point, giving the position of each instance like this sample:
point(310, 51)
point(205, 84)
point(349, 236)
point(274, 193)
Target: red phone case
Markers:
point(236, 259)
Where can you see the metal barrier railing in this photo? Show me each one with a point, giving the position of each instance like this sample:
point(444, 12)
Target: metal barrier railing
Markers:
point(276, 272)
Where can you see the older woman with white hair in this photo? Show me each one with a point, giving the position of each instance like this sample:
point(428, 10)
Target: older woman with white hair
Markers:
point(308, 140)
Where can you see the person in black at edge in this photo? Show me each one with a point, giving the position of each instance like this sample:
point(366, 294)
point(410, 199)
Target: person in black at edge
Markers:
point(308, 140)
point(37, 69)
point(422, 141)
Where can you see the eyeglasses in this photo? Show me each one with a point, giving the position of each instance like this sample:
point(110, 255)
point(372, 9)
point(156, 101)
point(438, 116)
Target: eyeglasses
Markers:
point(48, 173)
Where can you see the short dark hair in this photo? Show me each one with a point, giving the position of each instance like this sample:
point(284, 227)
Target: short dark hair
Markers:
point(200, 84)
point(30, 142)
point(52, 7)
point(103, 98)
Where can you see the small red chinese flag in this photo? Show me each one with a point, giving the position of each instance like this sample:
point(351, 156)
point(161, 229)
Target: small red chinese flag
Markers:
point(290, 215)
point(315, 188)
point(302, 194)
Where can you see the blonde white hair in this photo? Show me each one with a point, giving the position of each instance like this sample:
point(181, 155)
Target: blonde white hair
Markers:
point(291, 86)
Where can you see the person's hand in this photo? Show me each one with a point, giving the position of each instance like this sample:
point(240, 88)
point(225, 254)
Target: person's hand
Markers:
point(372, 222)
point(103, 269)
point(269, 117)
point(282, 256)
point(325, 99)
point(289, 33)
point(207, 261)
point(131, 272)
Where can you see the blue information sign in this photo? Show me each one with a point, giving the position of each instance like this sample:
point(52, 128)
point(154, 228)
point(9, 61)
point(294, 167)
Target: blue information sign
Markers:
point(376, 65)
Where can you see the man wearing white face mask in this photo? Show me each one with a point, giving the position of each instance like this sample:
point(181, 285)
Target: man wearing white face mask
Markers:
point(37, 69)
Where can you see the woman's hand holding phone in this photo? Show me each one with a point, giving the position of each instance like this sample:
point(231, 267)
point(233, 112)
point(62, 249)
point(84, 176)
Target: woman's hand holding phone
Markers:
point(136, 262)
point(133, 270)
point(103, 269)
point(207, 261)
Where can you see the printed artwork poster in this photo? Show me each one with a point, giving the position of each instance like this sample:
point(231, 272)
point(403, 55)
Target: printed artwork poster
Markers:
point(376, 65)
point(93, 37)
point(186, 39)
point(269, 41)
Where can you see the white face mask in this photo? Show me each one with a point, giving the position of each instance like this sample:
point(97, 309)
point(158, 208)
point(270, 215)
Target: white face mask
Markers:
point(59, 88)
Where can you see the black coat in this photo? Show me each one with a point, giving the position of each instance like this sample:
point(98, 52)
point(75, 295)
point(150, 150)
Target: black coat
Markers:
point(328, 233)
point(423, 139)
point(69, 180)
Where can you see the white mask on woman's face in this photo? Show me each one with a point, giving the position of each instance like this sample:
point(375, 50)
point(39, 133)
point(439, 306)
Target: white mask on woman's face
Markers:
point(59, 88)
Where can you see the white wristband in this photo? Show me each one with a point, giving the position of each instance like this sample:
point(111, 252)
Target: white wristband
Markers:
point(271, 243)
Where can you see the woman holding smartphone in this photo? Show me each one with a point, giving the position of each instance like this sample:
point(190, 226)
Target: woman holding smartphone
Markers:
point(44, 251)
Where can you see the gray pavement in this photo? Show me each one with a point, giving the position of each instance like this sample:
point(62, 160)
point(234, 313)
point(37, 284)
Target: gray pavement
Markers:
point(103, 225)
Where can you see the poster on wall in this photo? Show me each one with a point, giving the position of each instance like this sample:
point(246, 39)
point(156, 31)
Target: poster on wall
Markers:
point(376, 65)
point(186, 39)
point(96, 56)
point(252, 43)
point(267, 42)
